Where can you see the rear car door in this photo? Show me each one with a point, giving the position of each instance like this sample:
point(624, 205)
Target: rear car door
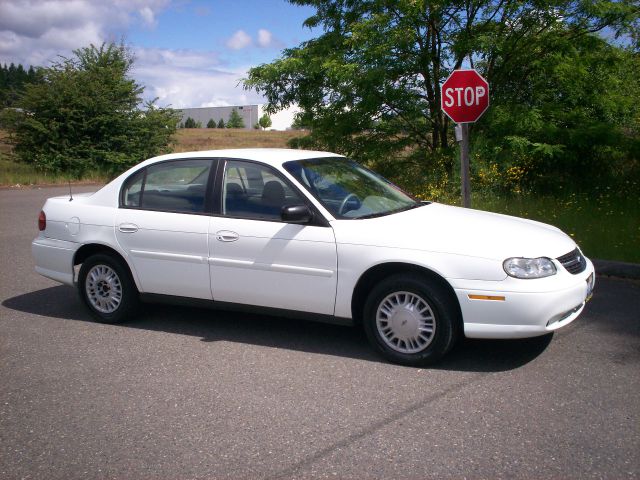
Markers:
point(162, 224)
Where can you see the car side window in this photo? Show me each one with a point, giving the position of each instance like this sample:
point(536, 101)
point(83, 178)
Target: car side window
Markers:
point(175, 186)
point(250, 190)
point(132, 190)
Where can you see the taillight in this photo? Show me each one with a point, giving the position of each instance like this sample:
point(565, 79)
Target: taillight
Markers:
point(42, 221)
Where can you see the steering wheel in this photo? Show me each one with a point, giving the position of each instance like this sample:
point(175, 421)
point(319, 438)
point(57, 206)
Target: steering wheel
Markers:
point(345, 201)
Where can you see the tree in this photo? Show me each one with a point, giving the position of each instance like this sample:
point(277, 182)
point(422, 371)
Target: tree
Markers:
point(235, 120)
point(88, 115)
point(265, 121)
point(190, 123)
point(577, 113)
point(13, 81)
point(211, 123)
point(221, 123)
point(369, 85)
point(298, 122)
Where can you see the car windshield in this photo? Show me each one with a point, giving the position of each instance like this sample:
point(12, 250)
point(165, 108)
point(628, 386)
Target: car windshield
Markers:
point(347, 189)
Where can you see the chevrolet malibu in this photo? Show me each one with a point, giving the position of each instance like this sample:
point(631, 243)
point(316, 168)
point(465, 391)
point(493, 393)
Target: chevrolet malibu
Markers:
point(313, 235)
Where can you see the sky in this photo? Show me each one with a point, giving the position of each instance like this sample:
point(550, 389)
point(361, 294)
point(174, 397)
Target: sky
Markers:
point(187, 53)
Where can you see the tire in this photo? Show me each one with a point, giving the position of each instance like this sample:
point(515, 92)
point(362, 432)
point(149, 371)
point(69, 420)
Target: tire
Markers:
point(107, 288)
point(411, 320)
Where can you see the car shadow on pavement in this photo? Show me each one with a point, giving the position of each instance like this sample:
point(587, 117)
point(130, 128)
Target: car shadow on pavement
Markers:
point(211, 325)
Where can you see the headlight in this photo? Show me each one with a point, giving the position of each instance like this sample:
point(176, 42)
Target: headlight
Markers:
point(529, 267)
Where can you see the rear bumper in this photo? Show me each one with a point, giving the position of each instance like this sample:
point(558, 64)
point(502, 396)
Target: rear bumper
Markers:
point(524, 314)
point(54, 258)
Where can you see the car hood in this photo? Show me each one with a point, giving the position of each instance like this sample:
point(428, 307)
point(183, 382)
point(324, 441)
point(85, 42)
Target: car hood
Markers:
point(441, 228)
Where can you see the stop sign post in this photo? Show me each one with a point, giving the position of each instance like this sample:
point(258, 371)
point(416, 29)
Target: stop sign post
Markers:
point(464, 97)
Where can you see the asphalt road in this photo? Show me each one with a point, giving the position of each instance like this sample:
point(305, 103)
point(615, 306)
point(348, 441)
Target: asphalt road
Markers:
point(188, 393)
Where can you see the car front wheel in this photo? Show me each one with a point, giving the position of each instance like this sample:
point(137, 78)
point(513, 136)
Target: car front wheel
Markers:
point(410, 320)
point(106, 287)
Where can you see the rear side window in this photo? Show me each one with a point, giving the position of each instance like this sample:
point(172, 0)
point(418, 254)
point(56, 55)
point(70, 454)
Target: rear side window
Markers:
point(177, 186)
point(133, 190)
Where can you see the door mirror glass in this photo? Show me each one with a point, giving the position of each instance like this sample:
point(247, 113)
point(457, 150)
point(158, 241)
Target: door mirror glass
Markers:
point(296, 214)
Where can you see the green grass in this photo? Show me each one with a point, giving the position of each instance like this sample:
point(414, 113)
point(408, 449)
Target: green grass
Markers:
point(605, 226)
point(13, 173)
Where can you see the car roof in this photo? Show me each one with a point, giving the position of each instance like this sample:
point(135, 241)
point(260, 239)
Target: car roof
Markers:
point(271, 156)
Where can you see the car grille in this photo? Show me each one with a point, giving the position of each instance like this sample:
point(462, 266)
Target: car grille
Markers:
point(574, 262)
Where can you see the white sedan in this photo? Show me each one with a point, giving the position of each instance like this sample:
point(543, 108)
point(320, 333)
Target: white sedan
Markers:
point(315, 235)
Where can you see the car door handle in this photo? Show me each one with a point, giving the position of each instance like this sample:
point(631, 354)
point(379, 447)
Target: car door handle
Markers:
point(227, 236)
point(128, 228)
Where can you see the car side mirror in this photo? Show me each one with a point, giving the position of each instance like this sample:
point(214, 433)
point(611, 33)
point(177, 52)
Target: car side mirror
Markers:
point(296, 214)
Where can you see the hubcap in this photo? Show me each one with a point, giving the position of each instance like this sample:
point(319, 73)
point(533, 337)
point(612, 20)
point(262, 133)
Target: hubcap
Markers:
point(104, 289)
point(405, 322)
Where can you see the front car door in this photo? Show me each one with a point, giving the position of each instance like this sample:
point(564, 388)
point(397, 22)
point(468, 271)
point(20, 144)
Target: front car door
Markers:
point(163, 224)
point(256, 258)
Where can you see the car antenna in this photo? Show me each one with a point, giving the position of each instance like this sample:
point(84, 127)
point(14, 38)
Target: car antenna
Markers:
point(70, 194)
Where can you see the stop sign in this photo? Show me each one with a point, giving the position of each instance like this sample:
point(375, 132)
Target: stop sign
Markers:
point(464, 96)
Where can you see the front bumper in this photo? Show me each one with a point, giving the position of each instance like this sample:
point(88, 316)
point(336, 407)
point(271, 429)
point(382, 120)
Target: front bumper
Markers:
point(511, 313)
point(54, 258)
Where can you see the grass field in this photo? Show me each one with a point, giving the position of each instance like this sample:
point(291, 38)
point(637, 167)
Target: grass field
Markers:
point(193, 139)
point(13, 173)
point(605, 224)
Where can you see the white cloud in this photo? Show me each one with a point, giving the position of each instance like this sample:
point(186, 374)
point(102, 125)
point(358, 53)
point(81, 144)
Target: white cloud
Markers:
point(33, 19)
point(239, 40)
point(35, 32)
point(265, 37)
point(189, 78)
point(178, 58)
point(148, 17)
point(242, 39)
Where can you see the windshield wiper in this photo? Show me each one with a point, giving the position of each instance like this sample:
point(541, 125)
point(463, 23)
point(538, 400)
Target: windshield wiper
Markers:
point(398, 210)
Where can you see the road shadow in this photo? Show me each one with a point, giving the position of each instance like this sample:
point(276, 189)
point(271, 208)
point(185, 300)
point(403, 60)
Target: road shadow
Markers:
point(215, 325)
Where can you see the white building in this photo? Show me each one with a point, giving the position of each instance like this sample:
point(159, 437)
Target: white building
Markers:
point(281, 120)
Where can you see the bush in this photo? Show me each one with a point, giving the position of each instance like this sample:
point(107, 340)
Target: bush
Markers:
point(88, 115)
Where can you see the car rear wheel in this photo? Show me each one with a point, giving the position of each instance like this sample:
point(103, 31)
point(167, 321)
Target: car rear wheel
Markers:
point(410, 320)
point(106, 287)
